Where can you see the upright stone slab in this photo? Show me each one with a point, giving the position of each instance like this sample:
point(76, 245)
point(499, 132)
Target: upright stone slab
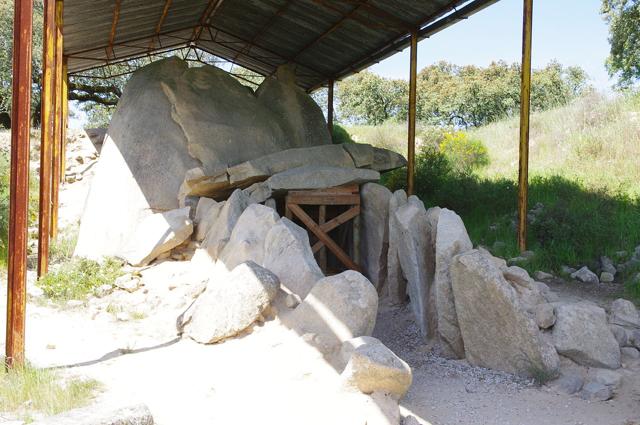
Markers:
point(417, 260)
point(396, 282)
point(451, 240)
point(374, 242)
point(207, 212)
point(220, 230)
point(247, 240)
point(497, 332)
point(288, 254)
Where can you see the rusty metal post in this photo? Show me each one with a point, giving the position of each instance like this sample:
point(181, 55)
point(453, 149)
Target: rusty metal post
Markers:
point(65, 119)
point(525, 103)
point(411, 148)
point(47, 134)
point(330, 108)
point(55, 170)
point(19, 182)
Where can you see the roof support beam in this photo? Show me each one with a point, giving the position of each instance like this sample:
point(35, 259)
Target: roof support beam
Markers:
point(114, 26)
point(525, 104)
point(19, 183)
point(163, 16)
point(264, 28)
point(328, 31)
point(411, 148)
point(208, 12)
point(391, 20)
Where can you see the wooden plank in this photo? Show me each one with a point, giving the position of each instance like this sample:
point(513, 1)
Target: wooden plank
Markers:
point(19, 182)
point(350, 188)
point(335, 222)
point(311, 199)
point(322, 254)
point(315, 229)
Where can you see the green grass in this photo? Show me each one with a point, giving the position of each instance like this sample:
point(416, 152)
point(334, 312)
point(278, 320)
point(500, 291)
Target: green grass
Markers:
point(79, 278)
point(61, 249)
point(28, 390)
point(583, 170)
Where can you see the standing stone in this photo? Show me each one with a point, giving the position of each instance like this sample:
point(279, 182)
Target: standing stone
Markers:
point(338, 308)
point(374, 243)
point(417, 260)
point(207, 212)
point(396, 282)
point(581, 333)
point(230, 304)
point(220, 230)
point(289, 256)
point(156, 234)
point(246, 242)
point(496, 330)
point(451, 239)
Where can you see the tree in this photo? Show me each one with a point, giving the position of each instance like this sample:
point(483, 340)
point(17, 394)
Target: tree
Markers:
point(623, 17)
point(370, 99)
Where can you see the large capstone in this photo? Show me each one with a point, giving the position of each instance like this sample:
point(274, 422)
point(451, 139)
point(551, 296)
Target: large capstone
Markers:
point(497, 331)
point(172, 119)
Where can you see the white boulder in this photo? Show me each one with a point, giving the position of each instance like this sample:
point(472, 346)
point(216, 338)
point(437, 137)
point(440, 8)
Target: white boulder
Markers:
point(338, 308)
point(220, 231)
point(581, 333)
point(230, 304)
point(371, 366)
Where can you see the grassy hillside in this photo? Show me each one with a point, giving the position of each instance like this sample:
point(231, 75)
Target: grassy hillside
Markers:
point(594, 140)
point(584, 183)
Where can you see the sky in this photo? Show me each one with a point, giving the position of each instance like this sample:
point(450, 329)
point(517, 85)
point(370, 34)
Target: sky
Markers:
point(570, 31)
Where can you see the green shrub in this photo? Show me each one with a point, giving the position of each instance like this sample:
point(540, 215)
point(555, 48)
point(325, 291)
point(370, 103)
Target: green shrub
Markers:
point(464, 154)
point(79, 278)
point(340, 135)
point(61, 249)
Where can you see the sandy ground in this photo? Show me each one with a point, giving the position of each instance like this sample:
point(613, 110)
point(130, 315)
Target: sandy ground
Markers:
point(272, 376)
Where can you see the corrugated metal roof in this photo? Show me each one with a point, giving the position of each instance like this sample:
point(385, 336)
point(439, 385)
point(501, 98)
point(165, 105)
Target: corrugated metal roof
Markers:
point(326, 39)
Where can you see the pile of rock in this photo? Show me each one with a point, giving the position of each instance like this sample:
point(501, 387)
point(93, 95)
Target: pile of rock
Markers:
point(475, 306)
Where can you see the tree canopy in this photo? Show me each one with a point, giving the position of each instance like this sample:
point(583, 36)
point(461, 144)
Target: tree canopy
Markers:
point(457, 95)
point(623, 17)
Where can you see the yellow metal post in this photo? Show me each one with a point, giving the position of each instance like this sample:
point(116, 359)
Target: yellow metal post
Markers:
point(330, 108)
point(65, 119)
point(55, 170)
point(47, 134)
point(525, 103)
point(411, 148)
